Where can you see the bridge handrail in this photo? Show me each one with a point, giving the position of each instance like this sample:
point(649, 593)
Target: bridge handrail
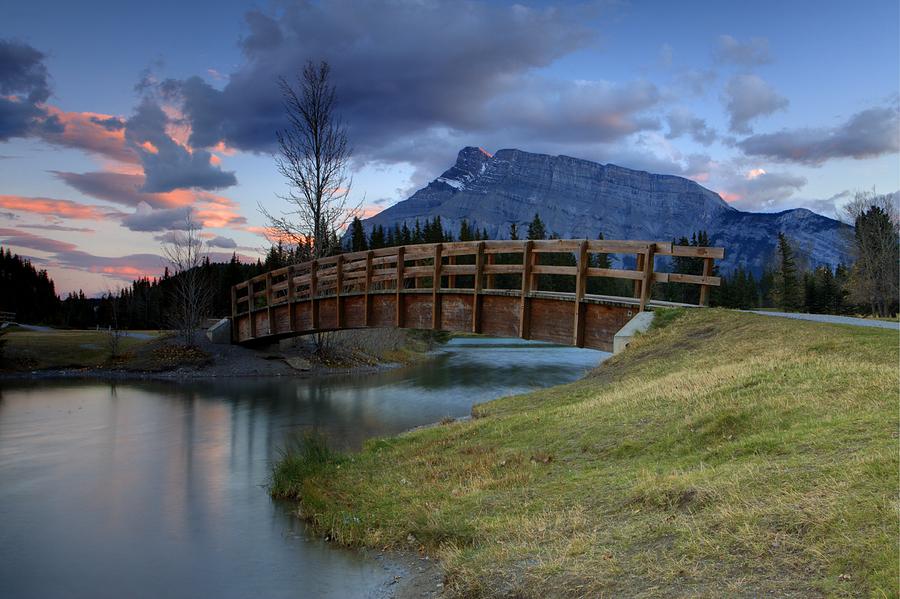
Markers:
point(381, 269)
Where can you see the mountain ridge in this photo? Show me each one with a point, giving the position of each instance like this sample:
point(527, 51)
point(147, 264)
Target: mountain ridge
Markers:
point(577, 198)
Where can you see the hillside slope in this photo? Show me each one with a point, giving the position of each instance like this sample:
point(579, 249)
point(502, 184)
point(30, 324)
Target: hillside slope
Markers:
point(578, 198)
point(722, 454)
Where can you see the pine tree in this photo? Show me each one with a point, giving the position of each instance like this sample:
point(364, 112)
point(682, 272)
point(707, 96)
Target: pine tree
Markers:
point(786, 291)
point(357, 236)
point(536, 229)
point(465, 233)
point(514, 231)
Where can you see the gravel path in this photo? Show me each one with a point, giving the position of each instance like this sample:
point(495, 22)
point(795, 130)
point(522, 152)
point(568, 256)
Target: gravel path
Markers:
point(857, 322)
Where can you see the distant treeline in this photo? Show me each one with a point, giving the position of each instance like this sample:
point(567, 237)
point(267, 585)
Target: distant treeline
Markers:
point(787, 284)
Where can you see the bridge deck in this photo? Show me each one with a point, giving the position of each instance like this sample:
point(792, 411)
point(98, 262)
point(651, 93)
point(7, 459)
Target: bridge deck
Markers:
point(463, 286)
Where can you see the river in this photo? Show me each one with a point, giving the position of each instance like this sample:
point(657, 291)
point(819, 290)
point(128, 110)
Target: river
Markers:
point(158, 489)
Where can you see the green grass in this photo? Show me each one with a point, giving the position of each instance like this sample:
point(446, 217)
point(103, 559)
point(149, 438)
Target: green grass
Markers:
point(722, 454)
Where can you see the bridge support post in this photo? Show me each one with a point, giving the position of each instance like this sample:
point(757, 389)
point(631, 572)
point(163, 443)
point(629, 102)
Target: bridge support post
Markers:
point(234, 331)
point(580, 283)
point(290, 297)
point(314, 292)
point(338, 284)
point(477, 296)
point(704, 289)
point(401, 259)
point(269, 302)
point(647, 282)
point(525, 306)
point(436, 288)
point(637, 282)
point(367, 302)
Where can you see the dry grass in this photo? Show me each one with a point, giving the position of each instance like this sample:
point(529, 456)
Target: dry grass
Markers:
point(38, 350)
point(723, 454)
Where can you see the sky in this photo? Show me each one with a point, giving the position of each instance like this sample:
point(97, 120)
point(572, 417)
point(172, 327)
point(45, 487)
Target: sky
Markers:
point(120, 119)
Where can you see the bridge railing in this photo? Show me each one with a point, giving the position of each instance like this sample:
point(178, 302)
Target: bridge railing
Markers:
point(474, 265)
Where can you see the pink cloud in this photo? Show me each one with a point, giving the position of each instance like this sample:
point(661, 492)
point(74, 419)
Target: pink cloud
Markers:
point(94, 132)
point(53, 207)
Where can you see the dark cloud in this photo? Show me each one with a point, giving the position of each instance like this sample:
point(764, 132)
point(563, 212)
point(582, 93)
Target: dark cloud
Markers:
point(427, 70)
point(146, 218)
point(24, 87)
point(60, 228)
point(167, 164)
point(753, 52)
point(19, 238)
point(872, 132)
point(222, 242)
point(748, 97)
point(109, 123)
point(682, 122)
point(119, 188)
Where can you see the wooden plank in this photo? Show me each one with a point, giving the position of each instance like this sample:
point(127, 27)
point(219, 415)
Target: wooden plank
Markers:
point(647, 283)
point(451, 281)
point(704, 289)
point(580, 282)
point(435, 288)
point(613, 246)
point(401, 263)
point(615, 273)
point(504, 247)
point(554, 270)
point(457, 269)
point(527, 257)
point(290, 297)
point(418, 271)
point(500, 269)
point(479, 274)
point(234, 313)
point(338, 288)
point(367, 304)
point(639, 268)
point(269, 301)
point(688, 251)
point(675, 277)
point(490, 277)
point(556, 245)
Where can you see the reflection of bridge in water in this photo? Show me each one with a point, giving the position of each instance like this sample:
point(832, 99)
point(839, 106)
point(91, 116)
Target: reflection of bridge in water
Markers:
point(489, 287)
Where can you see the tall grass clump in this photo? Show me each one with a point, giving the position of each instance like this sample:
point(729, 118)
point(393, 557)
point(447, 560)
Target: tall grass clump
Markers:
point(303, 456)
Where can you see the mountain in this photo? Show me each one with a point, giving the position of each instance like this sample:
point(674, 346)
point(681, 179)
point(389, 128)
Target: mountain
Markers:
point(579, 199)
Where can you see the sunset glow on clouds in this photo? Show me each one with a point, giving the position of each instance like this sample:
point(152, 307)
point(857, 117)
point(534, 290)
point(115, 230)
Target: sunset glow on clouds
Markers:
point(106, 147)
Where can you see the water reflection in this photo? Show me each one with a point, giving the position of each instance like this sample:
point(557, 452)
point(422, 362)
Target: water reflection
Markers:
point(157, 489)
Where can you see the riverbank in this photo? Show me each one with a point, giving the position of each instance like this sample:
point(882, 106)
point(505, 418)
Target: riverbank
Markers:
point(722, 453)
point(60, 354)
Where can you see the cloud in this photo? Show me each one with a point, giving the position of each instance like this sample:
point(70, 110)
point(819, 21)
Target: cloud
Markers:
point(405, 70)
point(167, 164)
point(759, 190)
point(866, 134)
point(682, 122)
point(748, 97)
point(90, 131)
point(24, 87)
point(60, 228)
point(146, 218)
point(753, 52)
point(18, 238)
point(53, 207)
point(222, 242)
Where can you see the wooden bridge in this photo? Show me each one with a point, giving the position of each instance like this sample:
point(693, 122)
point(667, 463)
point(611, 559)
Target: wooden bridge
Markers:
point(489, 287)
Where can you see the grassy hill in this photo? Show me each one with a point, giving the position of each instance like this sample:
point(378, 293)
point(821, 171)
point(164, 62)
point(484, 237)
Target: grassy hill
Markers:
point(722, 454)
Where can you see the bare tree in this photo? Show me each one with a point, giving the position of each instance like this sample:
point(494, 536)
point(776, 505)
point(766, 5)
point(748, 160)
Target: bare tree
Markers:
point(192, 292)
point(876, 234)
point(314, 157)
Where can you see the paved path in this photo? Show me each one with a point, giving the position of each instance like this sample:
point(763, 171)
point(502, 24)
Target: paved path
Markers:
point(857, 322)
